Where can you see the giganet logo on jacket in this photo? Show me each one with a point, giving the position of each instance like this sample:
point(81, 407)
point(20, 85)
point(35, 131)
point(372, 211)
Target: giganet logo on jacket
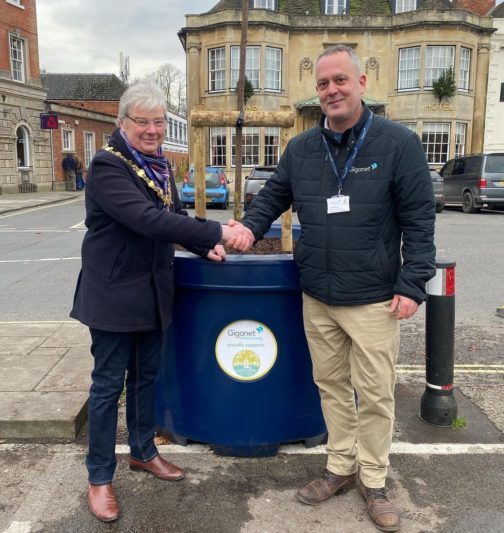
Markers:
point(370, 168)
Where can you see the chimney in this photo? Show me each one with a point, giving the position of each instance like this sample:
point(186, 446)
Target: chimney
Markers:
point(480, 7)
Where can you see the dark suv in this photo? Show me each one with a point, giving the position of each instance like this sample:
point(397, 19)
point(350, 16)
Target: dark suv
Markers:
point(254, 182)
point(474, 180)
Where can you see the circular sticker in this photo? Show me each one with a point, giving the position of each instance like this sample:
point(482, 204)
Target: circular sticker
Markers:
point(246, 350)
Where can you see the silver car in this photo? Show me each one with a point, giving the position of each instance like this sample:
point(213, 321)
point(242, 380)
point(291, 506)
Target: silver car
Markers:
point(254, 182)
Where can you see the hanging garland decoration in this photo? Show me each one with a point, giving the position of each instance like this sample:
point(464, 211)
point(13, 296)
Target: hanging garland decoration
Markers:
point(166, 198)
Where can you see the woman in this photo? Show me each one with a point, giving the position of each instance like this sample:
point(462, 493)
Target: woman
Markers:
point(125, 288)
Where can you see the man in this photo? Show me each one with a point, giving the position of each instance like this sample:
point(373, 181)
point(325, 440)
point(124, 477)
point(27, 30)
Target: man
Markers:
point(68, 165)
point(364, 199)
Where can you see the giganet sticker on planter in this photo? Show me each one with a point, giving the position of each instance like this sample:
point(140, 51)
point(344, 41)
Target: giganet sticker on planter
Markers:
point(246, 350)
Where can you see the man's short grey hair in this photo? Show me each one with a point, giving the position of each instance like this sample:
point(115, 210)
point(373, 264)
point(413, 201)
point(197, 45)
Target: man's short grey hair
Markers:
point(338, 48)
point(145, 94)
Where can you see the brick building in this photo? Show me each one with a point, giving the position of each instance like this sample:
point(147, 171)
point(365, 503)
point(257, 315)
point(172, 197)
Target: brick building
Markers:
point(25, 153)
point(87, 106)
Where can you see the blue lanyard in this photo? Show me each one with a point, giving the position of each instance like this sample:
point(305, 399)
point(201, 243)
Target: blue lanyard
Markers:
point(350, 161)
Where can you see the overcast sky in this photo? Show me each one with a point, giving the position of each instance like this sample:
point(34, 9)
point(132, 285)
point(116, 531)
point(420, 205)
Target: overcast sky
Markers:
point(88, 35)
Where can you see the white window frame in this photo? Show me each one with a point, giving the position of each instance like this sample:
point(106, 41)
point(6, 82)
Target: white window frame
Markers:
point(218, 146)
point(252, 65)
point(106, 137)
point(271, 146)
point(408, 76)
point(436, 141)
point(16, 3)
point(335, 7)
point(25, 142)
point(217, 69)
point(403, 6)
point(250, 147)
point(17, 59)
point(89, 147)
point(264, 4)
point(438, 59)
point(464, 69)
point(460, 138)
point(67, 140)
point(273, 69)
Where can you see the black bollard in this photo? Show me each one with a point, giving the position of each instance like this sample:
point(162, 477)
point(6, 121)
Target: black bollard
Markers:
point(438, 405)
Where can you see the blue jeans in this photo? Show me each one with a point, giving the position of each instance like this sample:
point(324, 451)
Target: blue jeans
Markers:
point(116, 356)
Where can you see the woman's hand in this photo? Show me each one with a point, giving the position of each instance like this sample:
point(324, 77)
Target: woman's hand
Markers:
point(217, 254)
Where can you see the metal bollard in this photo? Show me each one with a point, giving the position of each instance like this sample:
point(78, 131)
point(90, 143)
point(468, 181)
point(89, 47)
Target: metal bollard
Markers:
point(438, 404)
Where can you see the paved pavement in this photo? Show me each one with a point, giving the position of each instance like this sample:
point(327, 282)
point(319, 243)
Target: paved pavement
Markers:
point(443, 480)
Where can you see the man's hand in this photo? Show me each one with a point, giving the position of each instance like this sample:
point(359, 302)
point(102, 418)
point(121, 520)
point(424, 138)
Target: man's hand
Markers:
point(403, 306)
point(217, 254)
point(237, 236)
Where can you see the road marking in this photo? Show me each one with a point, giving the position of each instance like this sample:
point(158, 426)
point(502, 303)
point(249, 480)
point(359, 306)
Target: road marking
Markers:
point(34, 230)
point(39, 208)
point(40, 260)
point(398, 447)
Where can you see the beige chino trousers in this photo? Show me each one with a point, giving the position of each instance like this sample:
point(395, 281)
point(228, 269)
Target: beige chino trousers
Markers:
point(355, 347)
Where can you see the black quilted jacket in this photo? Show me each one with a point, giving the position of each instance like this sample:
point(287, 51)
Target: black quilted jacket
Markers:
point(385, 244)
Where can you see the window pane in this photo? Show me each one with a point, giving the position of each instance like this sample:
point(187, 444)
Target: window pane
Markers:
point(17, 60)
point(218, 147)
point(335, 7)
point(89, 148)
point(273, 68)
point(435, 140)
point(465, 65)
point(405, 5)
point(460, 139)
point(217, 69)
point(410, 125)
point(439, 59)
point(409, 68)
point(271, 146)
point(250, 147)
point(264, 4)
point(252, 64)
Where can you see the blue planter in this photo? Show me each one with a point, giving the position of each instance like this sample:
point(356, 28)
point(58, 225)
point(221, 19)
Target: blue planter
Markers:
point(236, 372)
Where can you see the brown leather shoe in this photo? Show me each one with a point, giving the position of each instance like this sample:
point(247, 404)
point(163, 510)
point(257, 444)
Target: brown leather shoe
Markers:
point(381, 511)
point(102, 502)
point(320, 490)
point(159, 468)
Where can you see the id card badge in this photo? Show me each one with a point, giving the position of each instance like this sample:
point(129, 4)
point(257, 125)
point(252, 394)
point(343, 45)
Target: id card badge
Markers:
point(338, 204)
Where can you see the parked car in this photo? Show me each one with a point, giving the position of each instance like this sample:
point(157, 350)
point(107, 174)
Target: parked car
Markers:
point(474, 180)
point(438, 186)
point(216, 188)
point(254, 182)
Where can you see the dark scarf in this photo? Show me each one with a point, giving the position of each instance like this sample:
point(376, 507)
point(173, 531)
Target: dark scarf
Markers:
point(155, 166)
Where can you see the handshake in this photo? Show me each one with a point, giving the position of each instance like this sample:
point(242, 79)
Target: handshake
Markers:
point(235, 235)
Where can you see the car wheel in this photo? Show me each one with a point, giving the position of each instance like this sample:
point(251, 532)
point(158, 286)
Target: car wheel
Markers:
point(225, 205)
point(439, 208)
point(468, 205)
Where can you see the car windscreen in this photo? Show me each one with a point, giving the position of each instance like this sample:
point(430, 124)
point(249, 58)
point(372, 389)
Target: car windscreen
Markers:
point(212, 179)
point(261, 175)
point(495, 163)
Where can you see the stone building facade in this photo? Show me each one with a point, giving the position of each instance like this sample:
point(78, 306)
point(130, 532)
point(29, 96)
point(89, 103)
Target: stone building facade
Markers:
point(494, 132)
point(404, 46)
point(25, 151)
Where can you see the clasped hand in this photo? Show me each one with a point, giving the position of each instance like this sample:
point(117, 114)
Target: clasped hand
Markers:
point(237, 236)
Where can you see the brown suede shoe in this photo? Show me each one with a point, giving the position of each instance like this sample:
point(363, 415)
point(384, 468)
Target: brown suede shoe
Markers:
point(159, 468)
point(381, 511)
point(102, 502)
point(320, 490)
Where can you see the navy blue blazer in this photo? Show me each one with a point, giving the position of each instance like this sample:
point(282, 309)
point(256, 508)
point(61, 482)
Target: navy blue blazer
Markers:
point(126, 280)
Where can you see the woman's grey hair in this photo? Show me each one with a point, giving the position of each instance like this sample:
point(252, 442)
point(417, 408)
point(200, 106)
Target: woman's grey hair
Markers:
point(338, 48)
point(145, 94)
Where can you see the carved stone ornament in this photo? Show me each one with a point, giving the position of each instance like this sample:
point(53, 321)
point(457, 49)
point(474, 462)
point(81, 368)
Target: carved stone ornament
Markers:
point(305, 64)
point(373, 64)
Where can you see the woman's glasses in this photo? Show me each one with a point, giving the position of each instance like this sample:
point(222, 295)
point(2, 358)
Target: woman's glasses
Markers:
point(144, 123)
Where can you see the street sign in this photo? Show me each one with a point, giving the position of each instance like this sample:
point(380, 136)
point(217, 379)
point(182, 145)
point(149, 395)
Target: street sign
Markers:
point(48, 121)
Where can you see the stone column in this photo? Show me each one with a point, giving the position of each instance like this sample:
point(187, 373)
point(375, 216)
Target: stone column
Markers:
point(480, 89)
